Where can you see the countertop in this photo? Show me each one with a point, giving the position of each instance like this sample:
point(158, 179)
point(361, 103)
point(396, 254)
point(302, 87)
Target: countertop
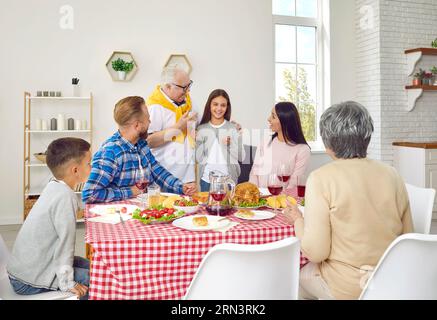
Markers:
point(422, 145)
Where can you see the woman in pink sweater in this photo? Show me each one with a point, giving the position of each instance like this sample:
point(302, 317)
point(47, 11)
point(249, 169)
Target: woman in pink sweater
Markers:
point(287, 146)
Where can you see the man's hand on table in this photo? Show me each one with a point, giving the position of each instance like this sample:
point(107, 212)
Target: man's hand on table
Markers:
point(135, 191)
point(189, 188)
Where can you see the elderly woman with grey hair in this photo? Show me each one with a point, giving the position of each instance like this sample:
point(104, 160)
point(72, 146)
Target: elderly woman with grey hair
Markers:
point(354, 208)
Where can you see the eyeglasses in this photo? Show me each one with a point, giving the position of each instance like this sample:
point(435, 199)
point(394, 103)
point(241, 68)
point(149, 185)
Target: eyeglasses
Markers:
point(185, 88)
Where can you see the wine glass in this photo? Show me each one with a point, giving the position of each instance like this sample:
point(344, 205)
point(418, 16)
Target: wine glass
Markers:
point(284, 173)
point(275, 187)
point(141, 182)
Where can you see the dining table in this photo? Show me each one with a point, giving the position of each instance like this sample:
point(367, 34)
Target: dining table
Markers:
point(135, 261)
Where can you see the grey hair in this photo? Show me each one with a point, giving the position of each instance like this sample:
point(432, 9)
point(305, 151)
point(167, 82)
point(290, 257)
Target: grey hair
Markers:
point(346, 129)
point(168, 74)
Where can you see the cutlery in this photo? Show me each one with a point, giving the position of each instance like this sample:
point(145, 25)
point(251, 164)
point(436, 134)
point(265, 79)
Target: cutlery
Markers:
point(121, 219)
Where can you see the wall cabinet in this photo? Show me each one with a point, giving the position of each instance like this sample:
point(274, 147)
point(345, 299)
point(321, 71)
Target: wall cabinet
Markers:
point(417, 164)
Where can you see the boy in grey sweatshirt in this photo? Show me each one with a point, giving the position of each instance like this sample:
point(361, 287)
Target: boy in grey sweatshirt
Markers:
point(43, 258)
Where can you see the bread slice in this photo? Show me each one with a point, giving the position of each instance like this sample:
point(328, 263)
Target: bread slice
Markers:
point(200, 221)
point(245, 213)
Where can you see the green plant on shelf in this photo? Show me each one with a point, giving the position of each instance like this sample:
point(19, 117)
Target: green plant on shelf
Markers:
point(420, 74)
point(121, 65)
point(434, 43)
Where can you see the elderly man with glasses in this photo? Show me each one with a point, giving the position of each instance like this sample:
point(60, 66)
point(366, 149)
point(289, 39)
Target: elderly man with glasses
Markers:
point(170, 133)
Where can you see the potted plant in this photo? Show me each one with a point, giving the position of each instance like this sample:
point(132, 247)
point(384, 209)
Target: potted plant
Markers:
point(434, 73)
point(418, 77)
point(122, 67)
point(434, 43)
point(427, 79)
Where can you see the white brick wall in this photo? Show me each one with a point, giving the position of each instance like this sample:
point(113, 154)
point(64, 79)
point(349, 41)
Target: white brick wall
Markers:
point(368, 69)
point(382, 75)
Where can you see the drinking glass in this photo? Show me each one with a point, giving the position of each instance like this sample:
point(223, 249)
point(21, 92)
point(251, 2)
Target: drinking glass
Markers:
point(274, 185)
point(141, 182)
point(284, 173)
point(301, 185)
point(153, 195)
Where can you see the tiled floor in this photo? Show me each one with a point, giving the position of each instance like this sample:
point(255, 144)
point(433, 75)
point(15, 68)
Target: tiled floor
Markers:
point(9, 234)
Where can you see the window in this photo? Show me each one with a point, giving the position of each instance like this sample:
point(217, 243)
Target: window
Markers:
point(298, 59)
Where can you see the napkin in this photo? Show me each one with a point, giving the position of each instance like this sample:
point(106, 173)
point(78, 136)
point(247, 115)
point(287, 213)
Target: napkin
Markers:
point(227, 227)
point(110, 218)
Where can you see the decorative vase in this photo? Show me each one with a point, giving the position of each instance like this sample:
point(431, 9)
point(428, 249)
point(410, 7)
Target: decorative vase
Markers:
point(70, 124)
point(53, 124)
point(417, 82)
point(76, 90)
point(61, 122)
point(77, 124)
point(121, 75)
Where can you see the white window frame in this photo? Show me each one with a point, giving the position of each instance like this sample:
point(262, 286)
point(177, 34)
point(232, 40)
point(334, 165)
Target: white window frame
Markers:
point(316, 145)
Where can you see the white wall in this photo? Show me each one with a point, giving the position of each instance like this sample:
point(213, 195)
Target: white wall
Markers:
point(229, 44)
point(342, 51)
point(382, 72)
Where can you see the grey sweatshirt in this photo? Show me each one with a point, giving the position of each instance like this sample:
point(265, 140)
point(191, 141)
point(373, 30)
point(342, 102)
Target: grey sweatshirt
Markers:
point(43, 252)
point(205, 137)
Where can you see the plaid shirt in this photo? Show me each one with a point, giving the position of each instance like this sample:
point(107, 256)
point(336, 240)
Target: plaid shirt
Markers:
point(114, 167)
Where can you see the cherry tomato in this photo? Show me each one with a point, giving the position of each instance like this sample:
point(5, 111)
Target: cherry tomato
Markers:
point(171, 211)
point(123, 210)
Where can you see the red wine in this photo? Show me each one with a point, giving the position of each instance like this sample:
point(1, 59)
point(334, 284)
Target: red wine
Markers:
point(284, 178)
point(218, 196)
point(301, 191)
point(220, 210)
point(142, 185)
point(275, 190)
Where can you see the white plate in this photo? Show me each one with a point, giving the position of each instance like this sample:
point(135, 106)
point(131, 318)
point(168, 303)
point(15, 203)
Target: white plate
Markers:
point(258, 215)
point(165, 194)
point(111, 209)
point(213, 223)
point(264, 192)
point(302, 209)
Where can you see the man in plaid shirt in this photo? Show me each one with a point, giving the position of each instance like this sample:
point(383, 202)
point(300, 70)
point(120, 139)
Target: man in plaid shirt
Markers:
point(118, 160)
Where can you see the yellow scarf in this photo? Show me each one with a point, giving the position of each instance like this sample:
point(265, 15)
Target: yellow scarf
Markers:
point(157, 97)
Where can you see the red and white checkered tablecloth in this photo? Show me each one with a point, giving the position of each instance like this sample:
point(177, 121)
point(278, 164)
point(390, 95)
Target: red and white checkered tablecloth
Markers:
point(149, 262)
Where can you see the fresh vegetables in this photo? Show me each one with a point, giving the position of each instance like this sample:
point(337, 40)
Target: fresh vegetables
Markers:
point(184, 202)
point(262, 202)
point(157, 214)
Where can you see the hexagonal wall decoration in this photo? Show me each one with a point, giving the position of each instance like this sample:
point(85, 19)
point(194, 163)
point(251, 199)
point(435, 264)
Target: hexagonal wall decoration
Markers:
point(127, 57)
point(179, 60)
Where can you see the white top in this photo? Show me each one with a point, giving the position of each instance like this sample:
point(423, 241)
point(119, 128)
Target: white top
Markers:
point(270, 154)
point(176, 157)
point(216, 159)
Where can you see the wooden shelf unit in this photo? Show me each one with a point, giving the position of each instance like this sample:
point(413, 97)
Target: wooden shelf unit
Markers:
point(413, 57)
point(28, 164)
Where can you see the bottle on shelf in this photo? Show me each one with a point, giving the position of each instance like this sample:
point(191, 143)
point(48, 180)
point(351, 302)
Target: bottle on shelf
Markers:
point(53, 124)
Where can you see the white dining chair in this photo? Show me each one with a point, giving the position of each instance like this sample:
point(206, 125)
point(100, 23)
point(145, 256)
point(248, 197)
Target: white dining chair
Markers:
point(6, 291)
point(248, 272)
point(421, 205)
point(406, 271)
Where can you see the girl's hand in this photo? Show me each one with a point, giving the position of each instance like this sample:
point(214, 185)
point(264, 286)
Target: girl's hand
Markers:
point(227, 140)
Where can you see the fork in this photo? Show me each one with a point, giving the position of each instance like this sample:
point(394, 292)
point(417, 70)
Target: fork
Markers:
point(121, 219)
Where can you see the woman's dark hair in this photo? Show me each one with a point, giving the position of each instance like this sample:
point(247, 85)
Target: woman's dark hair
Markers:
point(290, 123)
point(207, 111)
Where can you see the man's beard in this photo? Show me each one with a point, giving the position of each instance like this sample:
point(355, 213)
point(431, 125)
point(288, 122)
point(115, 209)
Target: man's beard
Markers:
point(144, 135)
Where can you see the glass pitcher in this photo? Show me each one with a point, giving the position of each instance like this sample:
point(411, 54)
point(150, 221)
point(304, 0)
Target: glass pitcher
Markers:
point(221, 192)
